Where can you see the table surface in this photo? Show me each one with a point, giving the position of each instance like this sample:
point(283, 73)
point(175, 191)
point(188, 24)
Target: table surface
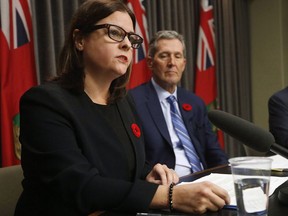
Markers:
point(275, 207)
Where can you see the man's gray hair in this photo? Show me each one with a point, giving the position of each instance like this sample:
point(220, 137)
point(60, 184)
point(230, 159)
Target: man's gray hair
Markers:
point(165, 34)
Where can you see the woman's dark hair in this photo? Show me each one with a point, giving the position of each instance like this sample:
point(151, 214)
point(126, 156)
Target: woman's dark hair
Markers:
point(70, 68)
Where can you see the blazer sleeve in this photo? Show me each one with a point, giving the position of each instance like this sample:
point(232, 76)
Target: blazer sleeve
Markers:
point(278, 119)
point(56, 159)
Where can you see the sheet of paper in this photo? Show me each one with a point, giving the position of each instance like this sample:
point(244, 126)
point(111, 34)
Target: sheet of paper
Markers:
point(254, 200)
point(226, 181)
point(279, 162)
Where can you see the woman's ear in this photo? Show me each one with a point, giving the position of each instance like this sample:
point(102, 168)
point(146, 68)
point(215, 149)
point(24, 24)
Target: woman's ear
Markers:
point(78, 40)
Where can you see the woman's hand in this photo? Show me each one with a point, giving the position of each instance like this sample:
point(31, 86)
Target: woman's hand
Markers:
point(161, 174)
point(199, 197)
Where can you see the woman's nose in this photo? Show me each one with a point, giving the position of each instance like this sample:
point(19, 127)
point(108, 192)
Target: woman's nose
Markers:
point(126, 44)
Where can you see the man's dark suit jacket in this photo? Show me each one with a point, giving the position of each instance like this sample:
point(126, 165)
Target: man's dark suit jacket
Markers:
point(158, 144)
point(278, 116)
point(72, 158)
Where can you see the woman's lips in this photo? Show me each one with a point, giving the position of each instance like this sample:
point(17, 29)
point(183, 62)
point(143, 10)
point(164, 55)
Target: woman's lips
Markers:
point(123, 58)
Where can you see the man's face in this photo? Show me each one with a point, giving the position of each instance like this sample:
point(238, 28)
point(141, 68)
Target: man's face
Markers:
point(168, 63)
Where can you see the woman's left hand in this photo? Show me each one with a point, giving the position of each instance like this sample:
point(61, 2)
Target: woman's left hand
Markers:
point(161, 174)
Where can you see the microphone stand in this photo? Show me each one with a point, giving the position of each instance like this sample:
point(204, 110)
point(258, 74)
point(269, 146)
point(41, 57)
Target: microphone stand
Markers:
point(283, 191)
point(280, 150)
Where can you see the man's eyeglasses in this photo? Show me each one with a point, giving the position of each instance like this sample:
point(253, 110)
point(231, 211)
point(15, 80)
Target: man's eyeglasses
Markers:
point(118, 34)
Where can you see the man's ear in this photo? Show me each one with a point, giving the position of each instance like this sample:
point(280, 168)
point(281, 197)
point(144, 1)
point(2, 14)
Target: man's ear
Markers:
point(149, 62)
point(78, 40)
point(185, 62)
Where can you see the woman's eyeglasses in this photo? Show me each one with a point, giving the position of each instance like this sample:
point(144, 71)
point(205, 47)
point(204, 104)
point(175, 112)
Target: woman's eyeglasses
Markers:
point(118, 34)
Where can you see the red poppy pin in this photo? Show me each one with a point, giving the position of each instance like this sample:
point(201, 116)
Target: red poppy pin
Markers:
point(187, 107)
point(136, 130)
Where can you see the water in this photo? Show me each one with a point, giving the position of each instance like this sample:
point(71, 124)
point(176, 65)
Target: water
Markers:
point(252, 196)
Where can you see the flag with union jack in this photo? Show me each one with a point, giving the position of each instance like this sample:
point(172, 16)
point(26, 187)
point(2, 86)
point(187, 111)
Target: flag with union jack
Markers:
point(205, 80)
point(18, 72)
point(140, 71)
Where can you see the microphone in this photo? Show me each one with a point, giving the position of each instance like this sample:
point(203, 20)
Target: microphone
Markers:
point(246, 132)
point(252, 136)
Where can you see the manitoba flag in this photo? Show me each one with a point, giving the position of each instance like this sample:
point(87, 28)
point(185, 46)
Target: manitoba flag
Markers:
point(17, 72)
point(140, 71)
point(205, 81)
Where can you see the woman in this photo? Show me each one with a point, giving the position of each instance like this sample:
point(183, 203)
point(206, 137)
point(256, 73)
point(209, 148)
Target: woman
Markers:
point(82, 147)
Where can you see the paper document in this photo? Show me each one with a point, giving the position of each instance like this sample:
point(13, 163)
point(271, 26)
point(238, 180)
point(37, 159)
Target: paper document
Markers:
point(226, 181)
point(279, 162)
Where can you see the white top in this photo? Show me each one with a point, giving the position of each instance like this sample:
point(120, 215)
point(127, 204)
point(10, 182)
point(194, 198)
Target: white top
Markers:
point(182, 165)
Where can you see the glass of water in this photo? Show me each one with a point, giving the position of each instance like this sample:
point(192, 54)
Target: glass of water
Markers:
point(251, 177)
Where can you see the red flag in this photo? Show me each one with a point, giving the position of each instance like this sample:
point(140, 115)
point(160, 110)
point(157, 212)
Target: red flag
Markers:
point(17, 72)
point(140, 71)
point(206, 83)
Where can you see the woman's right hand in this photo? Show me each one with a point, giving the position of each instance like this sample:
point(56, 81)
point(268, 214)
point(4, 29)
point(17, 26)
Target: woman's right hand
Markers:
point(199, 197)
point(192, 198)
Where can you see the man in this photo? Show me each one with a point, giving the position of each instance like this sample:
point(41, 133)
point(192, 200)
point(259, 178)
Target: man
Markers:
point(278, 116)
point(163, 138)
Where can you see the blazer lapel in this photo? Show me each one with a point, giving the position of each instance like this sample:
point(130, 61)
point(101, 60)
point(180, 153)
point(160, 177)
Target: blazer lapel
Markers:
point(188, 117)
point(155, 110)
point(128, 118)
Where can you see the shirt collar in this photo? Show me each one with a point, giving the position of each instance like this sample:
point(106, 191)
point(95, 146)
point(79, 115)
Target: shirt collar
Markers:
point(162, 93)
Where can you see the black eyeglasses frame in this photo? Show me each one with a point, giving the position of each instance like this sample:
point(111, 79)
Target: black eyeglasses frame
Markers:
point(128, 34)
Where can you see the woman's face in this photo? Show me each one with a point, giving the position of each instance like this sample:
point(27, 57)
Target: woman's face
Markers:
point(103, 57)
